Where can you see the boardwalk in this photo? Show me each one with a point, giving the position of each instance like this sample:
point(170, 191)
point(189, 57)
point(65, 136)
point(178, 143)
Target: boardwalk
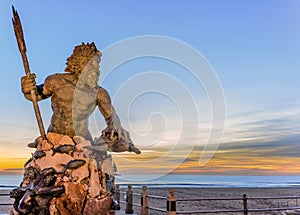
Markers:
point(206, 201)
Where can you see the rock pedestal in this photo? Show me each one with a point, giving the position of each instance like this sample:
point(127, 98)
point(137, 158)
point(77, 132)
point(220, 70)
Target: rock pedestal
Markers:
point(64, 177)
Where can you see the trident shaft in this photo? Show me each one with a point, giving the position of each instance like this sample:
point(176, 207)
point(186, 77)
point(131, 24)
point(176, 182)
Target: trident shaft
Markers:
point(22, 48)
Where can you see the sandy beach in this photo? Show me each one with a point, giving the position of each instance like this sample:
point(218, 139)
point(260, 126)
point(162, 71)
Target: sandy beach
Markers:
point(185, 193)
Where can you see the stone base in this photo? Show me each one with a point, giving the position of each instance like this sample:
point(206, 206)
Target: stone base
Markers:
point(63, 178)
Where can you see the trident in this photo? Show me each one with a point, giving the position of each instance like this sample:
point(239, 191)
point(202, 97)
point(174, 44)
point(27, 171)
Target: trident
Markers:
point(22, 48)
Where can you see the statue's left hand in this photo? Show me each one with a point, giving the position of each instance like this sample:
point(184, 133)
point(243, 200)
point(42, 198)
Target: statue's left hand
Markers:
point(118, 133)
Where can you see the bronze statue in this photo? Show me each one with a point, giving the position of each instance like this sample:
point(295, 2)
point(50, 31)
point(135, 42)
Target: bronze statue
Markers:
point(70, 113)
point(70, 172)
point(82, 171)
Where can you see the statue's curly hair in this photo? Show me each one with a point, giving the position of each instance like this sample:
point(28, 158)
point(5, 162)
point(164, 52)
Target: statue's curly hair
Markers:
point(81, 55)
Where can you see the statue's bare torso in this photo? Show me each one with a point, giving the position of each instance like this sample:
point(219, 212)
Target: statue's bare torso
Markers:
point(72, 105)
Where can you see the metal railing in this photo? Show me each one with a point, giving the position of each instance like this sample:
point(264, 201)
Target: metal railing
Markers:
point(171, 202)
point(5, 204)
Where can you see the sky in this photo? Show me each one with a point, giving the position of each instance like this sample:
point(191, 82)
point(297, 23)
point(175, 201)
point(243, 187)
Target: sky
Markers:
point(252, 49)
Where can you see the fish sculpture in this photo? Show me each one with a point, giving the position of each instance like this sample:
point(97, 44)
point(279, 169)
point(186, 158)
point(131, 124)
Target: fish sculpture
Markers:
point(74, 164)
point(66, 148)
point(38, 154)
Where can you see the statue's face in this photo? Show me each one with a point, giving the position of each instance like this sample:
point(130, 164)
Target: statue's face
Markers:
point(89, 76)
point(92, 79)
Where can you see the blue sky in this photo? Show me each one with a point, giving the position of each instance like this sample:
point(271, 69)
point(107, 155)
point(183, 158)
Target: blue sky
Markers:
point(253, 46)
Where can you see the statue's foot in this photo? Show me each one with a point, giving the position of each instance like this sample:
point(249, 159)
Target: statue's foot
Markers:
point(134, 149)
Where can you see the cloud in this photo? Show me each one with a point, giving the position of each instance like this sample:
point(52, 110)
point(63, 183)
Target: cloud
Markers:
point(263, 126)
point(265, 142)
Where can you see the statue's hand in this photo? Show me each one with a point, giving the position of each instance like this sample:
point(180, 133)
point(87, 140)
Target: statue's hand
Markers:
point(123, 135)
point(115, 132)
point(28, 83)
point(118, 133)
point(119, 139)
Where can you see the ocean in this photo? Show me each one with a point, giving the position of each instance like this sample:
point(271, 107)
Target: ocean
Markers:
point(8, 181)
point(216, 181)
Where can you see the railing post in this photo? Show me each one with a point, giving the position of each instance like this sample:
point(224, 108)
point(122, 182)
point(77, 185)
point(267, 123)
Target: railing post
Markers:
point(118, 196)
point(171, 203)
point(245, 204)
point(129, 200)
point(144, 202)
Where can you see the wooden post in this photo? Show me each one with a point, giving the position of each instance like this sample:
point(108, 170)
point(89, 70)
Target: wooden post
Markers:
point(171, 203)
point(245, 204)
point(129, 200)
point(144, 202)
point(118, 196)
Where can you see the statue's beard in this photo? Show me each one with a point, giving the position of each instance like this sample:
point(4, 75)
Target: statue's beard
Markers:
point(88, 79)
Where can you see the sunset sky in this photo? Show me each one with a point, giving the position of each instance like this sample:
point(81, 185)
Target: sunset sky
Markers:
point(252, 46)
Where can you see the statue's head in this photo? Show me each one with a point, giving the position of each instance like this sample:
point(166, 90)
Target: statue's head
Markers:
point(84, 56)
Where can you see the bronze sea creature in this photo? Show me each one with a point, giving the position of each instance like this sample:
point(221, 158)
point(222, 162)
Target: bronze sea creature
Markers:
point(74, 164)
point(64, 149)
point(38, 154)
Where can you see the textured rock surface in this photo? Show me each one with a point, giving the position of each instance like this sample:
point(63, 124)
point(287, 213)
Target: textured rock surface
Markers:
point(60, 179)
